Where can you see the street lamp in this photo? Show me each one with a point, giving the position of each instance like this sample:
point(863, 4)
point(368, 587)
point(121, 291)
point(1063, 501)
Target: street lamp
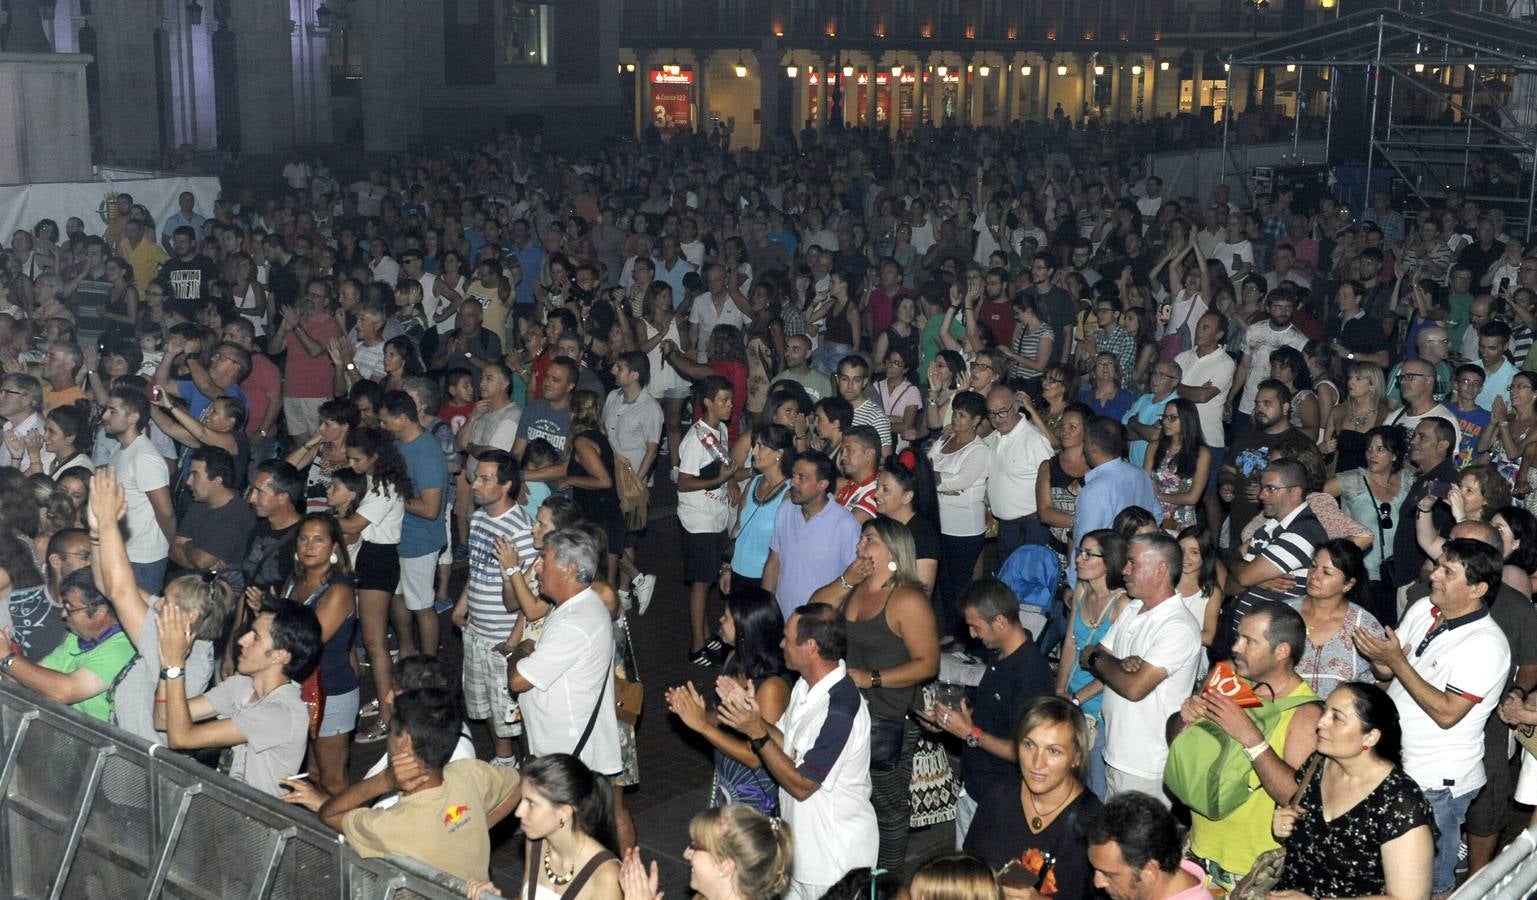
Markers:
point(194, 13)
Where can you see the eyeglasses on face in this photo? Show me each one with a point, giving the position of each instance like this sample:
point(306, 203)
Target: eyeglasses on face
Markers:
point(1091, 554)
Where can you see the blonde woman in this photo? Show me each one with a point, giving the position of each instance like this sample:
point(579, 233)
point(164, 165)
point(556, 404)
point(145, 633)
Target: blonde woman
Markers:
point(1363, 408)
point(734, 853)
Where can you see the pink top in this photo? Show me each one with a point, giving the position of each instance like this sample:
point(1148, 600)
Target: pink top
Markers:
point(1199, 891)
point(262, 384)
point(305, 375)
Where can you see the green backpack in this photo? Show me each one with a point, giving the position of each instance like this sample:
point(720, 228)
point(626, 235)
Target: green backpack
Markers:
point(1209, 772)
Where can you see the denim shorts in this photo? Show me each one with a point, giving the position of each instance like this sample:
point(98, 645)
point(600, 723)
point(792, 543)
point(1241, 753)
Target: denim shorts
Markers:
point(341, 713)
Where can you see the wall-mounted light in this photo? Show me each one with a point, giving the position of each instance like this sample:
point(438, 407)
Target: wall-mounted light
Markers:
point(322, 17)
point(672, 68)
point(1024, 70)
point(1472, 67)
point(1099, 70)
point(1061, 69)
point(985, 71)
point(194, 13)
point(792, 71)
point(942, 71)
point(1136, 70)
point(848, 71)
point(1163, 65)
point(1227, 67)
point(1419, 67)
point(740, 68)
point(896, 71)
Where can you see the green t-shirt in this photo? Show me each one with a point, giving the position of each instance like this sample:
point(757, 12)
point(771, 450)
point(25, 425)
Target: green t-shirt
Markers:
point(1458, 308)
point(931, 345)
point(107, 659)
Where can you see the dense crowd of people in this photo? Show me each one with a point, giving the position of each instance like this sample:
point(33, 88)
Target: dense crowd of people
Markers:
point(1216, 521)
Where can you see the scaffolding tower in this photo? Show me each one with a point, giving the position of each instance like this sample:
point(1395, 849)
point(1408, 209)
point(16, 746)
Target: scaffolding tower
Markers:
point(1476, 70)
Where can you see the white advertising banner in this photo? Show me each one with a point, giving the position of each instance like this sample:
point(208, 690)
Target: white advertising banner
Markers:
point(23, 205)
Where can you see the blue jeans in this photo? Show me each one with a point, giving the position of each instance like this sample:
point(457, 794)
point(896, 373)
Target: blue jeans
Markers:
point(827, 357)
point(149, 576)
point(1449, 812)
point(1094, 777)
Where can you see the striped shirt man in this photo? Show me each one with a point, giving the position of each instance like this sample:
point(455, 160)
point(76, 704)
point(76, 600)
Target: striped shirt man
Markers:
point(1288, 543)
point(488, 615)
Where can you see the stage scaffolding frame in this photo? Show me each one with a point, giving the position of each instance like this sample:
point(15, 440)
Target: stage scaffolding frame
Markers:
point(1388, 44)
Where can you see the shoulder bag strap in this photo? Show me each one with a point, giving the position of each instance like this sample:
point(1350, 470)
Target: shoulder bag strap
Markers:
point(534, 852)
point(574, 889)
point(1307, 778)
point(592, 720)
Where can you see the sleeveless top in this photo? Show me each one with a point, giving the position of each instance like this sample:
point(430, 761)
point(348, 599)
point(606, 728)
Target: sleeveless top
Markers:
point(247, 301)
point(1235, 842)
point(838, 330)
point(1297, 399)
point(874, 646)
point(336, 673)
point(738, 783)
point(1086, 636)
point(907, 345)
point(1063, 499)
point(536, 891)
point(598, 505)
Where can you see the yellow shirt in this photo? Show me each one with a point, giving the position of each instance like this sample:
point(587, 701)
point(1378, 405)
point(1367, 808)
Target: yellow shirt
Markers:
point(1234, 843)
point(145, 259)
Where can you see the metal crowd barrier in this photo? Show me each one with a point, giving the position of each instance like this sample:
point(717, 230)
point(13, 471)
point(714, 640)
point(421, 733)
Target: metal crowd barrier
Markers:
point(1512, 875)
point(90, 812)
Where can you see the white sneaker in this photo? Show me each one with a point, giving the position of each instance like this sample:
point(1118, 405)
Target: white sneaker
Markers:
point(642, 588)
point(505, 762)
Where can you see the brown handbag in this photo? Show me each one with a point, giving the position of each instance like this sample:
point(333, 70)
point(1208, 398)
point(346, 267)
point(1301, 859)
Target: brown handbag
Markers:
point(629, 697)
point(634, 499)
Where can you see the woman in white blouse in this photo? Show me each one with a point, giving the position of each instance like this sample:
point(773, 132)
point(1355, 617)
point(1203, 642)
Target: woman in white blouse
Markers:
point(960, 462)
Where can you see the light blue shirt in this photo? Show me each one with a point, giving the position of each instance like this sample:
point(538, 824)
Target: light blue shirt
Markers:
point(811, 553)
point(1109, 488)
point(1146, 411)
point(1497, 384)
point(674, 277)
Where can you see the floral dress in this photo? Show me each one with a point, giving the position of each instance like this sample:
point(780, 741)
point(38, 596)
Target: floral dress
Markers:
point(1343, 857)
point(1166, 477)
point(1330, 664)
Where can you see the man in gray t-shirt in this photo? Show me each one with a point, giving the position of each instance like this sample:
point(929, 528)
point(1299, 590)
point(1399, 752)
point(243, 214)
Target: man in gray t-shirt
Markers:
point(257, 712)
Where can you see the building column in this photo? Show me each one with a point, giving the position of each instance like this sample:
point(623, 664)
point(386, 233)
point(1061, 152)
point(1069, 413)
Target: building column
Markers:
point(872, 94)
point(824, 103)
point(1048, 72)
point(642, 91)
point(190, 71)
point(389, 31)
point(264, 37)
point(1150, 86)
point(128, 93)
point(702, 89)
point(1010, 76)
point(769, 88)
point(937, 101)
point(1085, 95)
point(311, 52)
point(963, 92)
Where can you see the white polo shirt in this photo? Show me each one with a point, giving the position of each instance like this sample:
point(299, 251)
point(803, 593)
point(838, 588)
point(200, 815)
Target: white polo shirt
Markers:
point(1165, 636)
point(826, 729)
point(1016, 463)
point(570, 666)
point(1472, 658)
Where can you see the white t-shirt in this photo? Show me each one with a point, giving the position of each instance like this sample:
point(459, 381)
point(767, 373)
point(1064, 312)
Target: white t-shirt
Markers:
point(141, 469)
point(1401, 418)
point(703, 512)
point(1473, 660)
point(1215, 367)
point(385, 511)
point(571, 664)
point(1260, 341)
point(1225, 252)
point(1167, 637)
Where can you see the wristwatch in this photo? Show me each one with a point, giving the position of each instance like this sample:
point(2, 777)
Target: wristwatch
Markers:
point(757, 744)
point(1350, 356)
point(5, 664)
point(169, 673)
point(510, 571)
point(468, 354)
point(352, 367)
point(875, 678)
point(974, 737)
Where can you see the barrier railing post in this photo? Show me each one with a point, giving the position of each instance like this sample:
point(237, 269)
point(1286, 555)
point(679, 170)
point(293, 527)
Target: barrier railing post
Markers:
point(77, 827)
point(7, 771)
point(168, 842)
